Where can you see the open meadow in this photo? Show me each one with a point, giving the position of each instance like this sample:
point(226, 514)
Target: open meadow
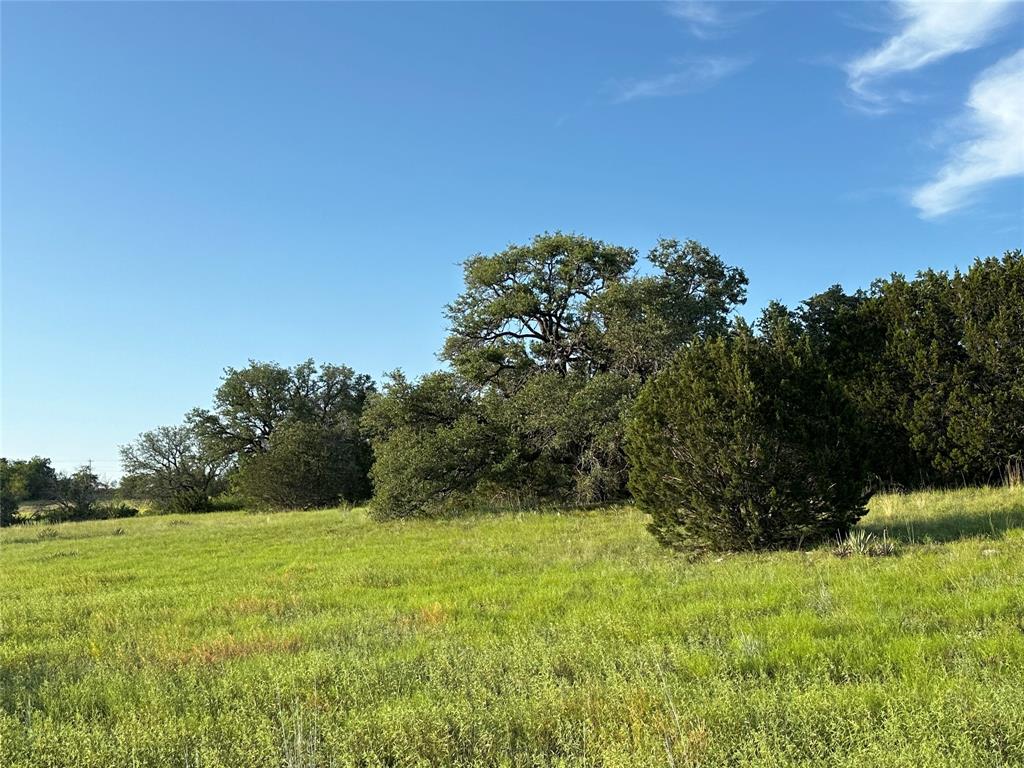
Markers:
point(505, 385)
point(324, 639)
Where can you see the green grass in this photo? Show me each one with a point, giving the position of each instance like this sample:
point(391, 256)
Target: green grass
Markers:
point(322, 638)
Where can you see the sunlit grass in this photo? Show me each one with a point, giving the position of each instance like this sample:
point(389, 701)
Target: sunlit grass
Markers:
point(322, 638)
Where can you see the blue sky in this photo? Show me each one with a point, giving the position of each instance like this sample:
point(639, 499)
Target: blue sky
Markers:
point(186, 186)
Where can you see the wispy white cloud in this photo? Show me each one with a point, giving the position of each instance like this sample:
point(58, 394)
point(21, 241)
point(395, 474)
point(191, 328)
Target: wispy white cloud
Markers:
point(707, 19)
point(689, 76)
point(929, 31)
point(994, 145)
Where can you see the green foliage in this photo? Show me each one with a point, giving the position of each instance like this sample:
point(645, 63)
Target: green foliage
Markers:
point(293, 432)
point(565, 303)
point(549, 343)
point(569, 433)
point(443, 445)
point(957, 346)
point(436, 442)
point(306, 464)
point(102, 511)
point(326, 639)
point(29, 480)
point(77, 495)
point(744, 443)
point(116, 511)
point(690, 293)
point(532, 307)
point(8, 506)
point(934, 366)
point(174, 468)
point(849, 332)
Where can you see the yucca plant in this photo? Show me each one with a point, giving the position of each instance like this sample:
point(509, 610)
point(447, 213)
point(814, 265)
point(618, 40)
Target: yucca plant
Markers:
point(861, 542)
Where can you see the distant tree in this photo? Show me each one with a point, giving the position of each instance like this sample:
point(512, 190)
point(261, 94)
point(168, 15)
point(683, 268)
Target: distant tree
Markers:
point(132, 487)
point(78, 494)
point(300, 423)
point(689, 295)
point(11, 491)
point(173, 467)
point(531, 308)
point(743, 443)
point(29, 480)
point(23, 480)
point(248, 406)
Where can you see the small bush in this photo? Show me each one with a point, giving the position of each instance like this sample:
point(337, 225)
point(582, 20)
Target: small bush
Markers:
point(227, 502)
point(861, 542)
point(115, 511)
point(743, 443)
point(92, 512)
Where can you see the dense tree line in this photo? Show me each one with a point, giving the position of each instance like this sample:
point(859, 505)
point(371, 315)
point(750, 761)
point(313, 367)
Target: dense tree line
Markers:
point(579, 373)
point(62, 496)
point(755, 441)
point(24, 480)
point(935, 366)
point(549, 344)
point(276, 436)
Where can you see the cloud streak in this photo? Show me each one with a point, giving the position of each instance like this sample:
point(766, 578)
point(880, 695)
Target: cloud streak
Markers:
point(704, 19)
point(930, 31)
point(690, 76)
point(994, 149)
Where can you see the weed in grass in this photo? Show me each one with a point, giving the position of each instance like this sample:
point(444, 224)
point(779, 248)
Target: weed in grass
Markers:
point(862, 542)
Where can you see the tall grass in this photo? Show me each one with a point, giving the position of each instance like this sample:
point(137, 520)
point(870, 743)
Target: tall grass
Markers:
point(324, 639)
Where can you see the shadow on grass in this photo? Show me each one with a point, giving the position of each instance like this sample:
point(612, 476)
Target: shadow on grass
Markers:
point(952, 526)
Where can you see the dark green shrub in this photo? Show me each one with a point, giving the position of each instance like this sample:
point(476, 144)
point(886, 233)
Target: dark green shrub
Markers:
point(111, 511)
point(435, 442)
point(444, 446)
point(743, 443)
point(97, 512)
point(115, 511)
point(8, 507)
point(956, 346)
point(935, 366)
point(306, 465)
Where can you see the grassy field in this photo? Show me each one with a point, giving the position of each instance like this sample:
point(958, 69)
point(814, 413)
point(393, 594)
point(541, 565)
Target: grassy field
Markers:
point(321, 638)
